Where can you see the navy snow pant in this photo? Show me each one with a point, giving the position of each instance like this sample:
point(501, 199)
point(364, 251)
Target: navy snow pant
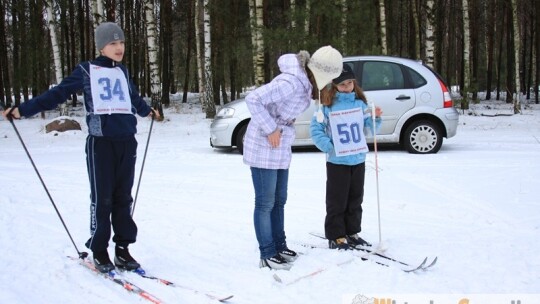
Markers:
point(111, 169)
point(344, 196)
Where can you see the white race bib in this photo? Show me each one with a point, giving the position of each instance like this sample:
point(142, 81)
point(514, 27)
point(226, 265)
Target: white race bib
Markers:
point(348, 131)
point(110, 91)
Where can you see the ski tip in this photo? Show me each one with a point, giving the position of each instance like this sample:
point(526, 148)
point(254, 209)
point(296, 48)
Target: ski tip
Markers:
point(225, 299)
point(432, 263)
point(277, 278)
point(140, 271)
point(422, 264)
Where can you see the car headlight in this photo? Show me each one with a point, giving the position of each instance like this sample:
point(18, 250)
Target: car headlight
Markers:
point(225, 113)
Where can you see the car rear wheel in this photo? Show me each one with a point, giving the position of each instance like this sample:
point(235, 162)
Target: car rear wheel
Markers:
point(240, 138)
point(422, 137)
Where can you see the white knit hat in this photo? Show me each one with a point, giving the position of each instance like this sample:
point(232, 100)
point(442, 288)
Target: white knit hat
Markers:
point(325, 64)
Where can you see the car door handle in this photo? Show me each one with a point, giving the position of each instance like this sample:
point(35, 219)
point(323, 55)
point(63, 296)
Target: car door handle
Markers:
point(403, 97)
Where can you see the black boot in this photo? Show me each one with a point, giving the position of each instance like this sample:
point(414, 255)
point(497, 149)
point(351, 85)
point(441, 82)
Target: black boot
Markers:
point(339, 244)
point(275, 262)
point(288, 255)
point(355, 240)
point(102, 262)
point(123, 259)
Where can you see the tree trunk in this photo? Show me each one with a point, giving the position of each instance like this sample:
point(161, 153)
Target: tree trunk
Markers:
point(259, 43)
point(202, 26)
point(199, 38)
point(430, 34)
point(308, 13)
point(16, 51)
point(382, 14)
point(343, 26)
point(510, 57)
point(537, 50)
point(166, 38)
point(412, 36)
point(72, 44)
point(253, 24)
point(466, 56)
point(293, 14)
point(474, 45)
point(217, 55)
point(210, 105)
point(502, 34)
point(56, 51)
point(192, 26)
point(5, 83)
point(97, 12)
point(154, 77)
point(490, 8)
point(517, 48)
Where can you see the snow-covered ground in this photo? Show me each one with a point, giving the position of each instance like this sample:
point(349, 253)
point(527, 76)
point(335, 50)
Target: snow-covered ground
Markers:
point(475, 205)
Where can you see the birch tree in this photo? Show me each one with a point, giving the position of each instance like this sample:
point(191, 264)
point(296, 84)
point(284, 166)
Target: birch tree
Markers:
point(308, 13)
point(253, 23)
point(258, 43)
point(97, 12)
point(384, 43)
point(56, 51)
point(293, 14)
point(430, 34)
point(199, 28)
point(210, 105)
point(517, 47)
point(202, 27)
point(151, 33)
point(466, 56)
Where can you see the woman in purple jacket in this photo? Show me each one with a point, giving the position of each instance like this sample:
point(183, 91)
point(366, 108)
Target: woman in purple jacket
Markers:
point(269, 136)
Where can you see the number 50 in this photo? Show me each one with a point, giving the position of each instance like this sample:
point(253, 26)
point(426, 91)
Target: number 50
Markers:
point(348, 133)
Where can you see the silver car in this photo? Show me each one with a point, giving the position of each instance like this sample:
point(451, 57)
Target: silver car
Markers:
point(417, 108)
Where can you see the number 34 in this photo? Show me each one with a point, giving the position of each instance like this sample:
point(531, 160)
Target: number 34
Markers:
point(108, 91)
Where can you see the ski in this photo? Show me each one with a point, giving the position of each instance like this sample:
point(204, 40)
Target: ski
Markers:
point(114, 277)
point(142, 273)
point(369, 251)
point(365, 257)
point(311, 274)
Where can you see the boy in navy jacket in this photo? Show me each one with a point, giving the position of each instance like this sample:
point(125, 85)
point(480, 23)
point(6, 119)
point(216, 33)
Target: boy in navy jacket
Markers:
point(111, 101)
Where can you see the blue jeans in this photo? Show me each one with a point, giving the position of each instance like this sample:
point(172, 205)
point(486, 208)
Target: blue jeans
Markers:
point(270, 197)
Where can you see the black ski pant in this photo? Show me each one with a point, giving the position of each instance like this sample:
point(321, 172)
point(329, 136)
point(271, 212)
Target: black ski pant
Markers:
point(344, 196)
point(111, 169)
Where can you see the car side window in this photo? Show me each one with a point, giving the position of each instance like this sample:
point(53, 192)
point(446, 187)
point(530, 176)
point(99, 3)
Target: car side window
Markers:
point(378, 75)
point(416, 79)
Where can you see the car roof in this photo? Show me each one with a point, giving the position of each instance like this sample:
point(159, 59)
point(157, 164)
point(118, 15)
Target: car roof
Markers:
point(381, 58)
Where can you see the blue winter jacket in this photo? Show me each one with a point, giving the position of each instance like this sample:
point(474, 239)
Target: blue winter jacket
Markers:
point(321, 134)
point(106, 125)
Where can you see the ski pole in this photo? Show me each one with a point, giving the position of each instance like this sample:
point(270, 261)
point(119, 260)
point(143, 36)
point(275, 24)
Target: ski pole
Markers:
point(142, 166)
point(83, 254)
point(376, 171)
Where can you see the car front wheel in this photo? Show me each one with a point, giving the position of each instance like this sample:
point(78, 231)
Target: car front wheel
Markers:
point(240, 138)
point(422, 137)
